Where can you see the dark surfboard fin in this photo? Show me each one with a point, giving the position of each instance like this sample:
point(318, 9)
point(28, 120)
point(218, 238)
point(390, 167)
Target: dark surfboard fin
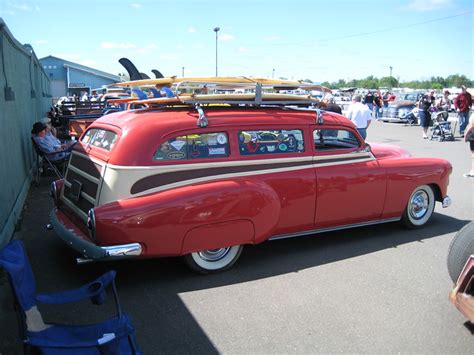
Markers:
point(144, 76)
point(131, 69)
point(158, 75)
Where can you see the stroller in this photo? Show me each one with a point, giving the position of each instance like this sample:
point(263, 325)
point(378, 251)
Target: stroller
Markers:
point(441, 130)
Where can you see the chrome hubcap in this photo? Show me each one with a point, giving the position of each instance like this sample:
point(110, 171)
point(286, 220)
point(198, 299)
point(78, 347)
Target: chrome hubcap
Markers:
point(213, 254)
point(419, 204)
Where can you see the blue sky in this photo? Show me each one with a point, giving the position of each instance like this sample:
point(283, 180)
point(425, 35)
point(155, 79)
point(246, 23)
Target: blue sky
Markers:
point(298, 39)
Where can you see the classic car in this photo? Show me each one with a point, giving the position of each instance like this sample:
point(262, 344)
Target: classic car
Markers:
point(203, 181)
point(399, 110)
point(461, 270)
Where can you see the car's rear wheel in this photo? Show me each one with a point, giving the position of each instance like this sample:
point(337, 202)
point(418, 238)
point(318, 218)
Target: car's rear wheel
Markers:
point(213, 260)
point(461, 247)
point(419, 208)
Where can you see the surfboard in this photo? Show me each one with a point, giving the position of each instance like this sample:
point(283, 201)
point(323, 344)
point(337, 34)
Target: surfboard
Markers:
point(235, 80)
point(247, 97)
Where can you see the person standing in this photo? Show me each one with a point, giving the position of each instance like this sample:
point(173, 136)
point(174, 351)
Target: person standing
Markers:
point(329, 104)
point(360, 115)
point(424, 113)
point(369, 101)
point(462, 104)
point(444, 103)
point(469, 138)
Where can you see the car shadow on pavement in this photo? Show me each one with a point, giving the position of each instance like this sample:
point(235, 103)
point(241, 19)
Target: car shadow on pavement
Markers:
point(150, 290)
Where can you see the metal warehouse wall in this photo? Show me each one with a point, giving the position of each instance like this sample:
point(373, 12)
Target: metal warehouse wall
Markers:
point(24, 99)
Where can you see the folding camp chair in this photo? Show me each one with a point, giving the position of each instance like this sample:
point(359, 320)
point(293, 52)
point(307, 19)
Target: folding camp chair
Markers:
point(43, 162)
point(113, 336)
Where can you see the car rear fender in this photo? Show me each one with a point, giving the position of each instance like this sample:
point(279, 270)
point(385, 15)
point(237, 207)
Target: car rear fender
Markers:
point(207, 215)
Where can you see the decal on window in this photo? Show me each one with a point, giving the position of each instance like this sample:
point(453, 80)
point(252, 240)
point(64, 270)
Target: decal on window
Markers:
point(271, 142)
point(194, 146)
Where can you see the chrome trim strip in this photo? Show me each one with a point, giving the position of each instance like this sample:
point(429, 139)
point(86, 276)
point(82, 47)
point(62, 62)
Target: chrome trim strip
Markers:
point(331, 229)
point(179, 167)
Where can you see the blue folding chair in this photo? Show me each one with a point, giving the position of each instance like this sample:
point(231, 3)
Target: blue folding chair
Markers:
point(113, 336)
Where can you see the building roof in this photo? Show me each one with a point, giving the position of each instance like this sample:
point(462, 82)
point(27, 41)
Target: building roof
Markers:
point(80, 67)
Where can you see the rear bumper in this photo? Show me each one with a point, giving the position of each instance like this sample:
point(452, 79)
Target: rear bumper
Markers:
point(78, 241)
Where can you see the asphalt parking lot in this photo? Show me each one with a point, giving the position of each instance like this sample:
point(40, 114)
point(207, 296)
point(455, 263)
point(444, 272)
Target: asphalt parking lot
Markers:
point(372, 289)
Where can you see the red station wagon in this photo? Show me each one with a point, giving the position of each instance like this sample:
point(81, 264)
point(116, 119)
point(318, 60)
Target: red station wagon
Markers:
point(203, 181)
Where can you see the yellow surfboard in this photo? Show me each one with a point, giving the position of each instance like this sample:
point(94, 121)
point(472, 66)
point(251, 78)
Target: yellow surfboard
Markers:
point(231, 80)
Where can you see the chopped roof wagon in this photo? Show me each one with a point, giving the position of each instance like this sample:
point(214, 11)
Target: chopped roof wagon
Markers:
point(203, 181)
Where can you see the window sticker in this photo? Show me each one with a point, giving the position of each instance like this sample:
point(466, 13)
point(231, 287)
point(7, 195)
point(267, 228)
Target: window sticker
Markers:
point(178, 145)
point(194, 146)
point(221, 138)
point(216, 151)
point(270, 142)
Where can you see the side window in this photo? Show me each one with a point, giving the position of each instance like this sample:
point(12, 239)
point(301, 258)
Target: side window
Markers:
point(325, 139)
point(194, 146)
point(271, 142)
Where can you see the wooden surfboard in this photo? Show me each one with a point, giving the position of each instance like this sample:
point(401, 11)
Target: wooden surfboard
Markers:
point(217, 80)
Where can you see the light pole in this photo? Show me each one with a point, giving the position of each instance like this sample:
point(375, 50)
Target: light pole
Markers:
point(182, 71)
point(273, 73)
point(390, 70)
point(216, 29)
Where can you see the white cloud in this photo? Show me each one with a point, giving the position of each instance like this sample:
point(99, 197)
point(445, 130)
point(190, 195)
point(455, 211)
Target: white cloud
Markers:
point(428, 5)
point(243, 50)
point(136, 5)
point(117, 45)
point(226, 37)
point(192, 30)
point(41, 42)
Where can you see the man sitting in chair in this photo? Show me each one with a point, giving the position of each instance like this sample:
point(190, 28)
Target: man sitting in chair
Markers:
point(49, 144)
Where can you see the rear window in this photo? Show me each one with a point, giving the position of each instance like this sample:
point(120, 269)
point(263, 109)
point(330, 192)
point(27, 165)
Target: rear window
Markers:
point(194, 146)
point(101, 138)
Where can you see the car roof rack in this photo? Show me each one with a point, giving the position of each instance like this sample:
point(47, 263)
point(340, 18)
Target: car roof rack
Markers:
point(227, 90)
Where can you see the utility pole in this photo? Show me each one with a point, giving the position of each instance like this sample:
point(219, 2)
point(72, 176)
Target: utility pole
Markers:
point(216, 29)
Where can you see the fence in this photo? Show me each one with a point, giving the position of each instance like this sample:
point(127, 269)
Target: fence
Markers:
point(24, 99)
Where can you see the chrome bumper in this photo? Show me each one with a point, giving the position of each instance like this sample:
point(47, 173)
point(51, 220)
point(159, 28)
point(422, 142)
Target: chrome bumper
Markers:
point(447, 201)
point(91, 251)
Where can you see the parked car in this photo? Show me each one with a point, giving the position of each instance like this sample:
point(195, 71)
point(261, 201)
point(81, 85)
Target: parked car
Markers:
point(461, 270)
point(202, 182)
point(400, 109)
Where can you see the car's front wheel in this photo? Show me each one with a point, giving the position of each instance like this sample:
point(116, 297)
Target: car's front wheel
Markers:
point(419, 208)
point(213, 260)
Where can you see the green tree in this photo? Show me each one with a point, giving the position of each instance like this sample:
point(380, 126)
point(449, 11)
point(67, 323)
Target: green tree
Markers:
point(388, 82)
